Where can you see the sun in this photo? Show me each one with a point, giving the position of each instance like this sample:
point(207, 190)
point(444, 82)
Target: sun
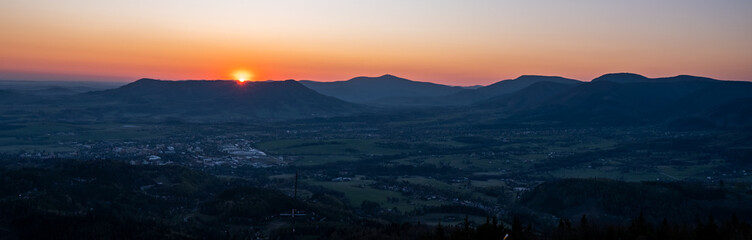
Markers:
point(242, 75)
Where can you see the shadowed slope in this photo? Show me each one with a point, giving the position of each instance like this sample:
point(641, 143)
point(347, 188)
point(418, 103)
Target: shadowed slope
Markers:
point(639, 102)
point(369, 89)
point(504, 87)
point(215, 100)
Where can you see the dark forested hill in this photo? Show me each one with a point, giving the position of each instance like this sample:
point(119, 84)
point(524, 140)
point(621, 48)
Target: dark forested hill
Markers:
point(374, 89)
point(632, 102)
point(506, 87)
point(616, 201)
point(112, 200)
point(212, 100)
point(634, 78)
point(469, 96)
point(529, 97)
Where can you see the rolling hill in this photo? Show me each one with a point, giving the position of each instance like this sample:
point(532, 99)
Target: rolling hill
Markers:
point(469, 96)
point(633, 78)
point(612, 99)
point(375, 89)
point(211, 100)
point(531, 96)
point(632, 99)
point(505, 87)
point(615, 201)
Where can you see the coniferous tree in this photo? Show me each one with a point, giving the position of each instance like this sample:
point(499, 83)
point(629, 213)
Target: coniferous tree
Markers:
point(516, 228)
point(440, 232)
point(563, 230)
point(584, 228)
point(711, 229)
point(485, 231)
point(466, 230)
point(663, 230)
point(640, 228)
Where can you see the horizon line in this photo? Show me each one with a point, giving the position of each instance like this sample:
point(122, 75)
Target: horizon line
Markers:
point(359, 76)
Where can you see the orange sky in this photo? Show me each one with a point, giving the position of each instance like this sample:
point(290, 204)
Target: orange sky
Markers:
point(450, 42)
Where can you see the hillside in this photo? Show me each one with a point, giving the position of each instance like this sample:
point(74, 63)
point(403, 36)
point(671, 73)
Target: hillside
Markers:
point(504, 87)
point(212, 100)
point(479, 95)
point(616, 201)
point(634, 78)
point(606, 102)
point(372, 89)
point(529, 97)
point(112, 200)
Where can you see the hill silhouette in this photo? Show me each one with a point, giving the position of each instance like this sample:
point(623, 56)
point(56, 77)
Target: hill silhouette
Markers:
point(507, 87)
point(373, 89)
point(617, 201)
point(611, 99)
point(469, 96)
point(631, 99)
point(633, 78)
point(214, 100)
point(531, 96)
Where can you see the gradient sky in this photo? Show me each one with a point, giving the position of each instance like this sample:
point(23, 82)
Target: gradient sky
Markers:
point(450, 42)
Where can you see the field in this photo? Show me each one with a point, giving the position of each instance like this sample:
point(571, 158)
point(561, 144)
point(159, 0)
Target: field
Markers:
point(394, 172)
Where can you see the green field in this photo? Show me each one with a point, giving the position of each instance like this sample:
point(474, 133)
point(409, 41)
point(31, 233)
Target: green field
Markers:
point(359, 190)
point(327, 147)
point(480, 165)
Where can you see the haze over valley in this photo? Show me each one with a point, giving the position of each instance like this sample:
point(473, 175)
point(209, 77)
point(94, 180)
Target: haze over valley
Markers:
point(330, 119)
point(377, 149)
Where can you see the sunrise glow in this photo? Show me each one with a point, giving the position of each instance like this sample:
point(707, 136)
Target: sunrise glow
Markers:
point(443, 41)
point(243, 75)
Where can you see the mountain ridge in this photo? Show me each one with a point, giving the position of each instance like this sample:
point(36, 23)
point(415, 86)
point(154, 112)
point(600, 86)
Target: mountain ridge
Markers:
point(652, 102)
point(218, 99)
point(370, 89)
point(626, 77)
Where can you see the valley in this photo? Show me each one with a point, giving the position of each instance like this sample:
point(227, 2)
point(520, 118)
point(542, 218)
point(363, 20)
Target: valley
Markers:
point(507, 157)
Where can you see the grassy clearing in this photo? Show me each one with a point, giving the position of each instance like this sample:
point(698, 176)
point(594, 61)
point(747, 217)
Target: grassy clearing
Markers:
point(358, 190)
point(424, 181)
point(685, 172)
point(632, 176)
point(447, 219)
point(489, 183)
point(35, 148)
point(313, 160)
point(38, 129)
point(327, 147)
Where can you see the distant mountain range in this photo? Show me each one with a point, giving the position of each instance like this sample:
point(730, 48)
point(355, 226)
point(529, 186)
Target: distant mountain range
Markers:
point(611, 99)
point(633, 78)
point(219, 100)
point(616, 99)
point(504, 87)
point(55, 88)
point(393, 91)
point(376, 89)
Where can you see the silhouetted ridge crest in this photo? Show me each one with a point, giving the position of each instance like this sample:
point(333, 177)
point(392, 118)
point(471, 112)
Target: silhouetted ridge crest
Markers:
point(633, 78)
point(531, 96)
point(224, 99)
point(621, 78)
point(685, 78)
point(143, 82)
point(382, 78)
point(373, 89)
point(504, 87)
point(539, 78)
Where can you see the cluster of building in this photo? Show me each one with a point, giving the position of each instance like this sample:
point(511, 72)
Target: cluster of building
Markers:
point(206, 153)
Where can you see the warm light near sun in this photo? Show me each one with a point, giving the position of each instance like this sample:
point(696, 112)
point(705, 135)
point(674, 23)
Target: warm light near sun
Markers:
point(242, 75)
